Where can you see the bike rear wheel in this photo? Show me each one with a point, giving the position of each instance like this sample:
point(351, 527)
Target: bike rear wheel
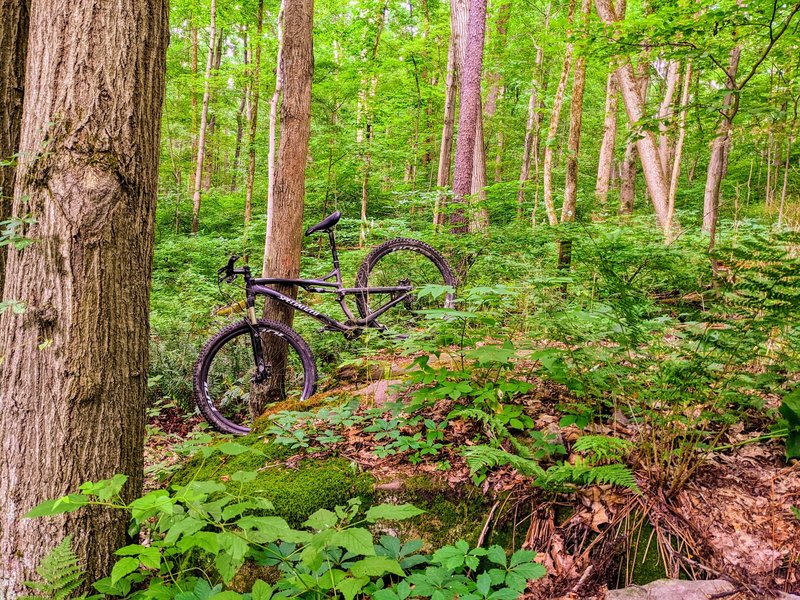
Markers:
point(404, 261)
point(226, 378)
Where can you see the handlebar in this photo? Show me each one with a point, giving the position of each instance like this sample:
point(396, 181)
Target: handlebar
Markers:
point(228, 273)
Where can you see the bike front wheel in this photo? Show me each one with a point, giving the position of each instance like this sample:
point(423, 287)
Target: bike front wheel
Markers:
point(229, 385)
point(402, 262)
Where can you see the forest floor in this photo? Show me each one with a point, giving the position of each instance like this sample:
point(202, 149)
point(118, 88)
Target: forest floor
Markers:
point(733, 518)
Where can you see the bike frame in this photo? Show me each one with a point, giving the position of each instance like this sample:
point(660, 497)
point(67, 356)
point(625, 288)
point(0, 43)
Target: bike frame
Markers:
point(257, 287)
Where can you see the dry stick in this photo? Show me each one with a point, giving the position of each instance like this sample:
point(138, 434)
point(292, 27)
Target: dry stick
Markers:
point(485, 529)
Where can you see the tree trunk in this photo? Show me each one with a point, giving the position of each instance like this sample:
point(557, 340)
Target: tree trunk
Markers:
point(716, 162)
point(532, 129)
point(479, 217)
point(211, 150)
point(606, 159)
point(273, 117)
point(627, 187)
point(469, 113)
point(676, 162)
point(14, 17)
point(555, 115)
point(252, 118)
point(201, 138)
point(575, 118)
point(237, 152)
point(285, 215)
point(785, 178)
point(459, 15)
point(664, 111)
point(73, 375)
point(646, 145)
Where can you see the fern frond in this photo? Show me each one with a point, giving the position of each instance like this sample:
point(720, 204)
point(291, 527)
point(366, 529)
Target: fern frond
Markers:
point(582, 473)
point(602, 448)
point(486, 457)
point(61, 574)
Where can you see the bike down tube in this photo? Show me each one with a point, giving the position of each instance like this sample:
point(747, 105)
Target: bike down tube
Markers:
point(260, 290)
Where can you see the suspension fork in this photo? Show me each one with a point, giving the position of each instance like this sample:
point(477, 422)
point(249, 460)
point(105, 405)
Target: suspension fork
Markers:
point(262, 373)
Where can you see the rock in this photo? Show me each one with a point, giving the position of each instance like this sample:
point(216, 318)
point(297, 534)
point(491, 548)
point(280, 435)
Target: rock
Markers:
point(678, 589)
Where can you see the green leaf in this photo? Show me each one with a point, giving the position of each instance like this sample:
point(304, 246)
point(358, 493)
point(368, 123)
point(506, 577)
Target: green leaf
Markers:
point(484, 584)
point(207, 540)
point(58, 506)
point(355, 540)
point(322, 519)
point(497, 555)
point(123, 567)
point(392, 512)
point(261, 590)
point(234, 449)
point(376, 566)
point(244, 476)
point(185, 526)
point(350, 587)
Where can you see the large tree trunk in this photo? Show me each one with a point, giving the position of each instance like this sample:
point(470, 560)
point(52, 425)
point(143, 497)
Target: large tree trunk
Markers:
point(285, 215)
point(73, 372)
point(717, 162)
point(469, 113)
point(646, 145)
point(252, 117)
point(14, 16)
point(555, 116)
point(575, 120)
point(459, 16)
point(201, 137)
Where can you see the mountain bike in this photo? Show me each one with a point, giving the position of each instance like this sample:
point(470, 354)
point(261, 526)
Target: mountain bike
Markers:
point(255, 360)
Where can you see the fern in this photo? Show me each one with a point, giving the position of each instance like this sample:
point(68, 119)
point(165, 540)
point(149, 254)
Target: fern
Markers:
point(602, 448)
point(480, 458)
point(583, 473)
point(60, 572)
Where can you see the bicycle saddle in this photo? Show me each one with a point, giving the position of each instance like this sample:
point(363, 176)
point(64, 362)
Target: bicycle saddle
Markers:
point(326, 224)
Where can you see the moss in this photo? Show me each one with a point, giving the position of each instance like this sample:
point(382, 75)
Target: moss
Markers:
point(450, 515)
point(648, 565)
point(296, 491)
point(316, 401)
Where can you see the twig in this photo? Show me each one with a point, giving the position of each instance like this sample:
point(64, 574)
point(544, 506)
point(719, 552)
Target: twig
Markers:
point(486, 525)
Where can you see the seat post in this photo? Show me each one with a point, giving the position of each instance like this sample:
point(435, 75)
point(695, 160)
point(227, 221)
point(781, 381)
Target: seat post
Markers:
point(335, 255)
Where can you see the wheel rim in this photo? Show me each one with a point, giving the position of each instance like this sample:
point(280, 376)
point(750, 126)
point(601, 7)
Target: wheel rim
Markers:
point(406, 266)
point(229, 382)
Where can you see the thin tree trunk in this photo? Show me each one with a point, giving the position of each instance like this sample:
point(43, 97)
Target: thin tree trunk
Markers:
point(240, 114)
point(252, 117)
point(273, 116)
point(74, 371)
point(479, 218)
point(201, 138)
point(285, 215)
point(533, 126)
point(469, 113)
point(194, 62)
point(211, 150)
point(606, 158)
point(646, 146)
point(785, 178)
point(676, 163)
point(664, 111)
point(14, 19)
point(716, 162)
point(575, 120)
point(552, 131)
point(459, 14)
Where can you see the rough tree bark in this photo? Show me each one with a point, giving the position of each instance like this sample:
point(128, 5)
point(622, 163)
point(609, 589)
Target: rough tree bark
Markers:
point(14, 17)
point(575, 118)
point(555, 116)
point(285, 215)
point(73, 367)
point(469, 112)
point(459, 15)
point(252, 117)
point(201, 136)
